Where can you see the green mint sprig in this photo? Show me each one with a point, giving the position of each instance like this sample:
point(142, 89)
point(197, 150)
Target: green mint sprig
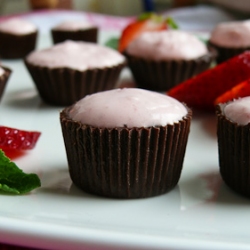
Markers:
point(13, 180)
point(112, 43)
point(172, 24)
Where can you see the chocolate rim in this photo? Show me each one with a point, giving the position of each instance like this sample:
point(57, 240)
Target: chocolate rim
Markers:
point(125, 162)
point(165, 74)
point(225, 53)
point(73, 84)
point(234, 154)
point(14, 46)
point(87, 35)
point(4, 79)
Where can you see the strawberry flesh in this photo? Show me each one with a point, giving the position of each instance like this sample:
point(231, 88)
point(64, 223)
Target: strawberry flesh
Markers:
point(15, 139)
point(240, 90)
point(201, 91)
point(137, 27)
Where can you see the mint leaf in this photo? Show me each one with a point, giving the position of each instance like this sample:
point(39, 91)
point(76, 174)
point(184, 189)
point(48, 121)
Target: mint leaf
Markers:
point(204, 40)
point(172, 24)
point(13, 180)
point(112, 43)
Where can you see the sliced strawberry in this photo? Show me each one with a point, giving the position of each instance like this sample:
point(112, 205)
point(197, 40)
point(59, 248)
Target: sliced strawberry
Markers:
point(15, 139)
point(146, 22)
point(201, 91)
point(240, 90)
point(14, 154)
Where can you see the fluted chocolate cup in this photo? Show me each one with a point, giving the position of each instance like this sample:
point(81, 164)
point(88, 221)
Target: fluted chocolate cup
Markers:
point(234, 153)
point(87, 35)
point(125, 162)
point(65, 86)
point(163, 75)
point(4, 79)
point(226, 53)
point(14, 46)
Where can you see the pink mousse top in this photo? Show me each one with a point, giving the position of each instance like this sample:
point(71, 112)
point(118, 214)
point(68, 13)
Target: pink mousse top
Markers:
point(232, 34)
point(238, 111)
point(130, 107)
point(167, 45)
point(76, 55)
point(73, 25)
point(17, 26)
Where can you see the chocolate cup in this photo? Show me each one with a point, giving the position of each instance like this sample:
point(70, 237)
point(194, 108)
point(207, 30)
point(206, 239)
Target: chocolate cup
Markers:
point(234, 153)
point(87, 35)
point(3, 80)
point(64, 86)
point(125, 162)
point(163, 75)
point(14, 46)
point(224, 53)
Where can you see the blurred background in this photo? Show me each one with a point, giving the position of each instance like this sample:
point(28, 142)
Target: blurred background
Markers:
point(120, 7)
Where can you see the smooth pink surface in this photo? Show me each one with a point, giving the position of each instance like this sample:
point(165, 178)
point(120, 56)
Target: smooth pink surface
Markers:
point(72, 25)
point(238, 111)
point(76, 55)
point(17, 26)
point(167, 45)
point(234, 34)
point(130, 107)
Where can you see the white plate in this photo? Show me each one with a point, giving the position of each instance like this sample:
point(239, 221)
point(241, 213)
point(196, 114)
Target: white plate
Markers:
point(200, 213)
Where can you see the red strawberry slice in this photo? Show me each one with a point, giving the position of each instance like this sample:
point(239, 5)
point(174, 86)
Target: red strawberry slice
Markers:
point(240, 90)
point(201, 91)
point(15, 139)
point(146, 22)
